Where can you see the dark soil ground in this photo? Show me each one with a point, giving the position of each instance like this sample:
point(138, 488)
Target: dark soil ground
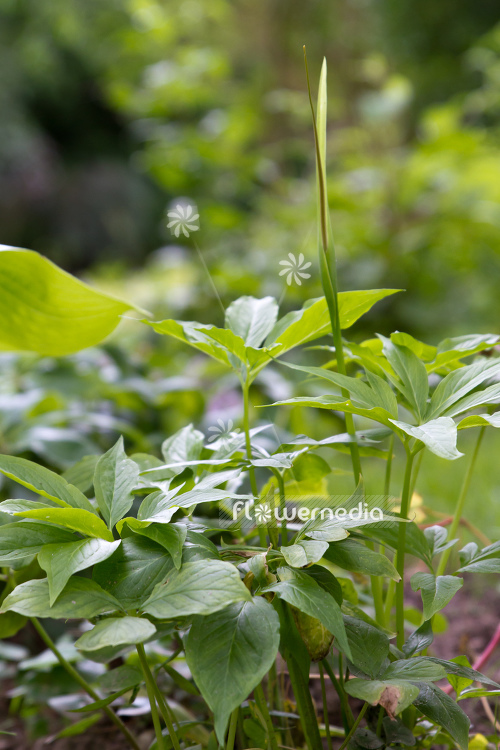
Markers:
point(473, 616)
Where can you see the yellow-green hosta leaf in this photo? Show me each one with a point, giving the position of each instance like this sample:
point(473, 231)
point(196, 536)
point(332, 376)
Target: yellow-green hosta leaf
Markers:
point(43, 309)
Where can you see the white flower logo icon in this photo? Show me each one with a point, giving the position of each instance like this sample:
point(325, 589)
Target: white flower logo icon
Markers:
point(183, 219)
point(223, 432)
point(294, 269)
point(262, 513)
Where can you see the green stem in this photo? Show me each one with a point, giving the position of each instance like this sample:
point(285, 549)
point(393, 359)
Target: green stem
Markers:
point(388, 466)
point(281, 487)
point(305, 706)
point(328, 270)
point(461, 502)
point(325, 706)
point(260, 700)
point(166, 712)
point(231, 735)
point(151, 695)
point(405, 506)
point(389, 597)
point(83, 682)
point(354, 727)
point(345, 709)
point(251, 471)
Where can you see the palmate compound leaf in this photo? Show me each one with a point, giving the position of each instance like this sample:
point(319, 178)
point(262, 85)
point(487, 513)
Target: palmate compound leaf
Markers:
point(81, 598)
point(229, 652)
point(44, 482)
point(61, 561)
point(198, 588)
point(43, 309)
point(247, 323)
point(116, 631)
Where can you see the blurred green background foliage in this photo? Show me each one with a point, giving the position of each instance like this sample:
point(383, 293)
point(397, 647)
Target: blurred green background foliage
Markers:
point(113, 111)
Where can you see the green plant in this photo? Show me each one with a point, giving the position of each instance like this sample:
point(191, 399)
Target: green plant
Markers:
point(133, 544)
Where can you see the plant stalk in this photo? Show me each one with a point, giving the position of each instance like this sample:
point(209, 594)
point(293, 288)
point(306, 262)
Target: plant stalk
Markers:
point(461, 502)
point(405, 506)
point(326, 719)
point(328, 268)
point(305, 706)
point(148, 677)
point(231, 735)
point(345, 709)
point(251, 470)
point(260, 700)
point(354, 727)
point(281, 488)
point(83, 682)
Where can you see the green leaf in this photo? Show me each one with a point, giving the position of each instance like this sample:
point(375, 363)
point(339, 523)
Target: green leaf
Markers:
point(457, 681)
point(121, 678)
point(454, 349)
point(252, 319)
point(81, 474)
point(22, 540)
point(443, 711)
point(416, 541)
point(302, 592)
point(169, 535)
point(458, 384)
point(114, 479)
point(304, 553)
point(43, 482)
point(313, 320)
point(82, 521)
point(418, 669)
point(393, 695)
point(10, 624)
point(97, 705)
point(475, 560)
point(437, 592)
point(79, 727)
point(332, 402)
point(421, 350)
point(439, 435)
point(480, 420)
point(46, 310)
point(412, 374)
point(198, 588)
point(229, 653)
point(81, 598)
point(18, 506)
point(186, 445)
point(61, 561)
point(419, 640)
point(132, 572)
point(116, 631)
point(459, 666)
point(352, 555)
point(369, 645)
point(194, 334)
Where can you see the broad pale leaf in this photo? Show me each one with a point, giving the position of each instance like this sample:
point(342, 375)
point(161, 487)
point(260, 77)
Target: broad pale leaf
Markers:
point(198, 588)
point(22, 540)
point(229, 653)
point(439, 435)
point(304, 553)
point(443, 711)
point(393, 695)
point(352, 555)
point(61, 561)
point(252, 319)
point(81, 598)
point(46, 310)
point(116, 631)
point(169, 535)
point(133, 570)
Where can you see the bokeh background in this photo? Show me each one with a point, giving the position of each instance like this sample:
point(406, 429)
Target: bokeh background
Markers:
point(113, 112)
